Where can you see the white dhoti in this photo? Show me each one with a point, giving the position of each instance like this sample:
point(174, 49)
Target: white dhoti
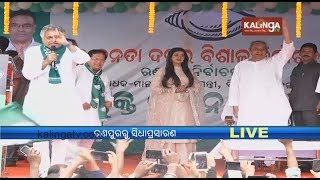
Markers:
point(56, 106)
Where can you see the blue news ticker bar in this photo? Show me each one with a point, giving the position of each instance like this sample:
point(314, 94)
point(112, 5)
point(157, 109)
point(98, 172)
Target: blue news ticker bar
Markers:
point(158, 132)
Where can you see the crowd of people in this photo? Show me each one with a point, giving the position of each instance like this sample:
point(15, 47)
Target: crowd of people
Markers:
point(59, 84)
point(87, 165)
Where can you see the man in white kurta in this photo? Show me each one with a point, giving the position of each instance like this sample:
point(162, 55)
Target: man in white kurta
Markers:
point(84, 85)
point(256, 91)
point(256, 88)
point(53, 104)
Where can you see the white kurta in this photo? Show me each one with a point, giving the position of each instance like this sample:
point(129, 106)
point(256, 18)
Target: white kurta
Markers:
point(318, 86)
point(227, 111)
point(11, 46)
point(256, 87)
point(53, 104)
point(84, 80)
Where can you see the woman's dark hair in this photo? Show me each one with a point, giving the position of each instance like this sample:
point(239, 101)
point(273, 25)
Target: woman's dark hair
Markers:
point(169, 70)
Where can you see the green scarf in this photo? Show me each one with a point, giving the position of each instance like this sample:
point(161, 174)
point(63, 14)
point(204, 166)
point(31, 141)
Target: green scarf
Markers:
point(54, 76)
point(97, 94)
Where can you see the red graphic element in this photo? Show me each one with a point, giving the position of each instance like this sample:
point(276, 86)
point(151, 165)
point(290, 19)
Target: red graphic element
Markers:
point(262, 26)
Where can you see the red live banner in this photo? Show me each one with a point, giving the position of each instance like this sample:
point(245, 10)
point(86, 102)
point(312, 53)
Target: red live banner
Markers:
point(261, 26)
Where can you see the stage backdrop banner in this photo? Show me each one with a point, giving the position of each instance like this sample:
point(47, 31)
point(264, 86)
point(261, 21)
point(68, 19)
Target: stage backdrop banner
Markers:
point(134, 56)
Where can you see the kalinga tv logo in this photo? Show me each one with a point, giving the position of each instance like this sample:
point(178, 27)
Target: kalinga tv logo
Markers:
point(262, 26)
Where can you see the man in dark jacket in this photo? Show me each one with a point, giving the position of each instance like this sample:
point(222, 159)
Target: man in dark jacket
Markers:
point(303, 81)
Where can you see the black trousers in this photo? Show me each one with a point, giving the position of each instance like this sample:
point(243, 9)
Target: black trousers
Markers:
point(306, 118)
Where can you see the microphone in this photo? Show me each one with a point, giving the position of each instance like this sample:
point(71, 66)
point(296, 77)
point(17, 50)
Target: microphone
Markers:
point(53, 49)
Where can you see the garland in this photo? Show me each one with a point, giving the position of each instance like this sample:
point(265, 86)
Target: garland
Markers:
point(224, 19)
point(75, 18)
point(6, 19)
point(298, 19)
point(152, 16)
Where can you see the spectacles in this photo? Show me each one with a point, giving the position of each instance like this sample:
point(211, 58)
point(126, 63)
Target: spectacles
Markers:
point(24, 26)
point(99, 60)
point(257, 49)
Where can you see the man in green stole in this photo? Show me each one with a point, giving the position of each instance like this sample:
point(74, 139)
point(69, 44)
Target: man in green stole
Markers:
point(52, 99)
point(92, 85)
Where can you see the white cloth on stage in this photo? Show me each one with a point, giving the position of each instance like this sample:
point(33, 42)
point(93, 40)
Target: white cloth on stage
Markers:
point(84, 79)
point(272, 148)
point(269, 148)
point(256, 87)
point(62, 152)
point(318, 86)
point(269, 144)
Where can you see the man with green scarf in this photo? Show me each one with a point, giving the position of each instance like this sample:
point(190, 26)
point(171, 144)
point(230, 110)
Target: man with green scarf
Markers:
point(52, 99)
point(92, 85)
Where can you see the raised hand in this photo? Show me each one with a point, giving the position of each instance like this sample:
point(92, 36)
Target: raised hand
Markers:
point(34, 157)
point(286, 32)
point(143, 168)
point(61, 39)
point(247, 168)
point(170, 156)
point(121, 144)
point(86, 106)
